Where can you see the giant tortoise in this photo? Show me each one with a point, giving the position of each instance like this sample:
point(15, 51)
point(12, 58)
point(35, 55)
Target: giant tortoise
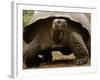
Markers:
point(56, 31)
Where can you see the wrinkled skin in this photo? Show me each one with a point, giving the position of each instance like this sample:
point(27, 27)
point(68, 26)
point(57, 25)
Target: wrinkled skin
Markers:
point(55, 34)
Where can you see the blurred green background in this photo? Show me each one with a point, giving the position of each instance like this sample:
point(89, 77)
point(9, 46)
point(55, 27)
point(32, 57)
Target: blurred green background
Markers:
point(27, 17)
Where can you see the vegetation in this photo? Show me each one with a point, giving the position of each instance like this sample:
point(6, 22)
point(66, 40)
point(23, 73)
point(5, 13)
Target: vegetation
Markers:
point(27, 17)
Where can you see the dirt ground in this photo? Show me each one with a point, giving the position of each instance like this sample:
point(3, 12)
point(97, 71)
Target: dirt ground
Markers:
point(61, 63)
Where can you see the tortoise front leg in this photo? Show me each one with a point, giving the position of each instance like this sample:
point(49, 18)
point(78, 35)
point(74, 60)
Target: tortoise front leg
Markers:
point(30, 52)
point(79, 48)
